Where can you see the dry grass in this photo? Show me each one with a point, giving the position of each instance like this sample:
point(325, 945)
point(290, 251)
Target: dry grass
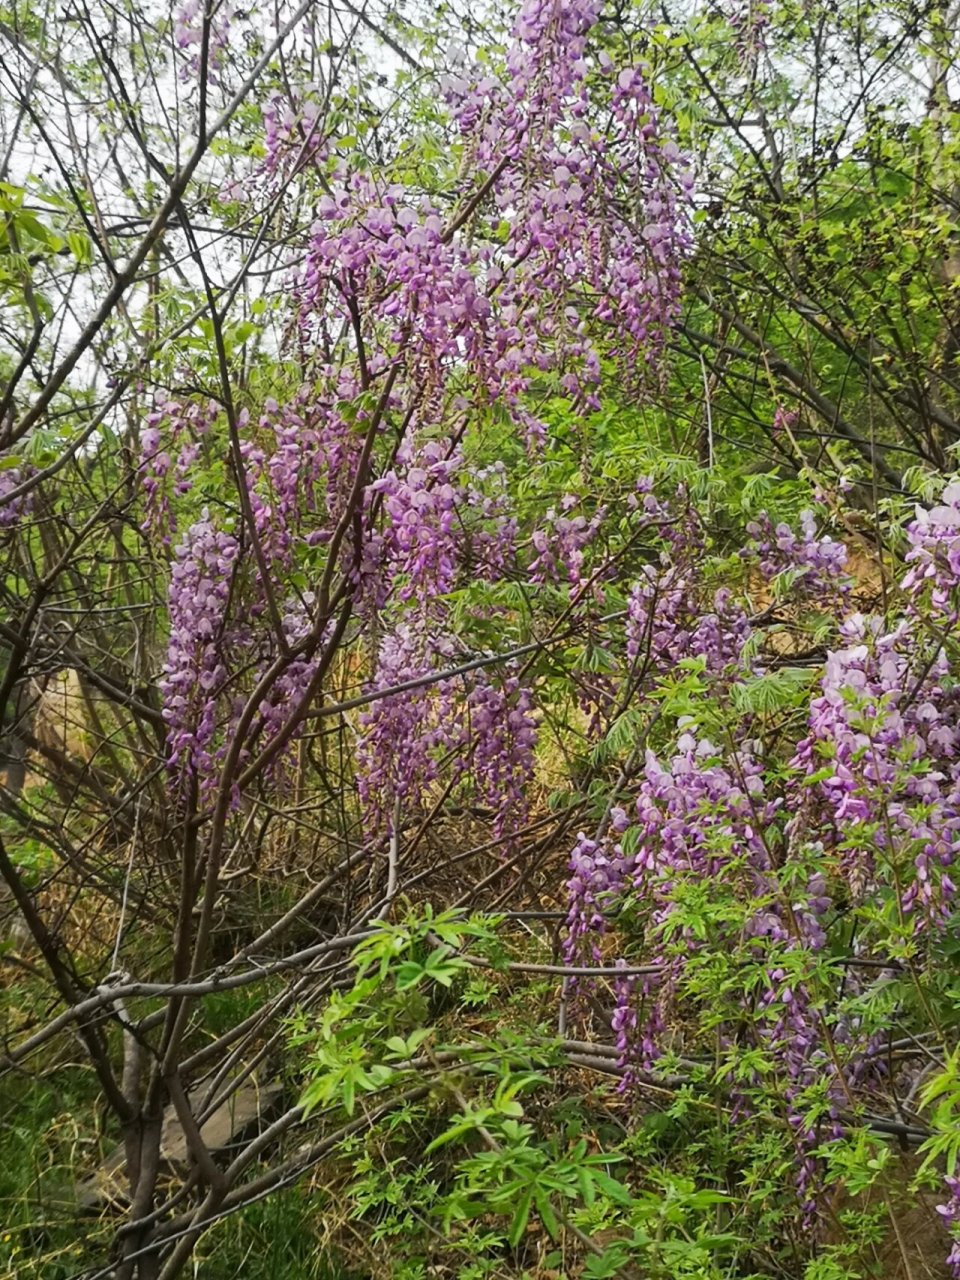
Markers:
point(915, 1240)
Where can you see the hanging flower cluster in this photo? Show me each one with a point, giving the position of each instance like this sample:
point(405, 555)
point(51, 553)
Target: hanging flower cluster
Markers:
point(816, 564)
point(293, 683)
point(669, 615)
point(13, 509)
point(950, 1212)
point(560, 543)
point(170, 446)
point(188, 26)
point(196, 671)
point(571, 217)
point(421, 531)
point(409, 281)
point(665, 625)
point(703, 876)
point(403, 734)
point(882, 756)
point(487, 730)
point(571, 162)
point(700, 817)
point(489, 523)
point(502, 729)
point(599, 870)
point(750, 20)
point(933, 580)
point(737, 852)
point(292, 132)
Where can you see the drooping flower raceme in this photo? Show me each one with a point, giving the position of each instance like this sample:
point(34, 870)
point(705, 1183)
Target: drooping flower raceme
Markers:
point(882, 757)
point(170, 445)
point(817, 564)
point(704, 878)
point(12, 509)
point(671, 615)
point(415, 317)
point(599, 871)
point(747, 872)
point(188, 33)
point(402, 733)
point(196, 670)
point(411, 284)
point(502, 734)
point(664, 623)
point(560, 543)
point(565, 169)
point(933, 579)
point(421, 538)
point(950, 1212)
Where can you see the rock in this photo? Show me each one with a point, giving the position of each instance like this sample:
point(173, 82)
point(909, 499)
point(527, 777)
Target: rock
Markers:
point(243, 1114)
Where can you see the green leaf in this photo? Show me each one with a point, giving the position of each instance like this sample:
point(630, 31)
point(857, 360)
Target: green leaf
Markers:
point(604, 1265)
point(546, 1212)
point(772, 692)
point(80, 246)
point(520, 1218)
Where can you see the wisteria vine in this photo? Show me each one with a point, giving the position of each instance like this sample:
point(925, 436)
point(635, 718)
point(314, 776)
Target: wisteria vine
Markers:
point(759, 851)
point(367, 518)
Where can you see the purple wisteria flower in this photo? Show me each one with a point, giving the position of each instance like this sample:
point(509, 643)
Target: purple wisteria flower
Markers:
point(188, 26)
point(169, 448)
point(933, 580)
point(817, 562)
point(882, 753)
point(13, 509)
point(950, 1212)
point(196, 670)
point(559, 182)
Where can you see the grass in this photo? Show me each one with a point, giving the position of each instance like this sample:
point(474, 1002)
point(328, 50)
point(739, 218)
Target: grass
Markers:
point(276, 1239)
point(49, 1139)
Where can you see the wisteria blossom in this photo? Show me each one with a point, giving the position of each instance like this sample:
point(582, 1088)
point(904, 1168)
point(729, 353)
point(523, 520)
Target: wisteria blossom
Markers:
point(934, 556)
point(188, 33)
point(865, 812)
point(884, 732)
point(816, 562)
point(13, 507)
point(950, 1212)
point(196, 673)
